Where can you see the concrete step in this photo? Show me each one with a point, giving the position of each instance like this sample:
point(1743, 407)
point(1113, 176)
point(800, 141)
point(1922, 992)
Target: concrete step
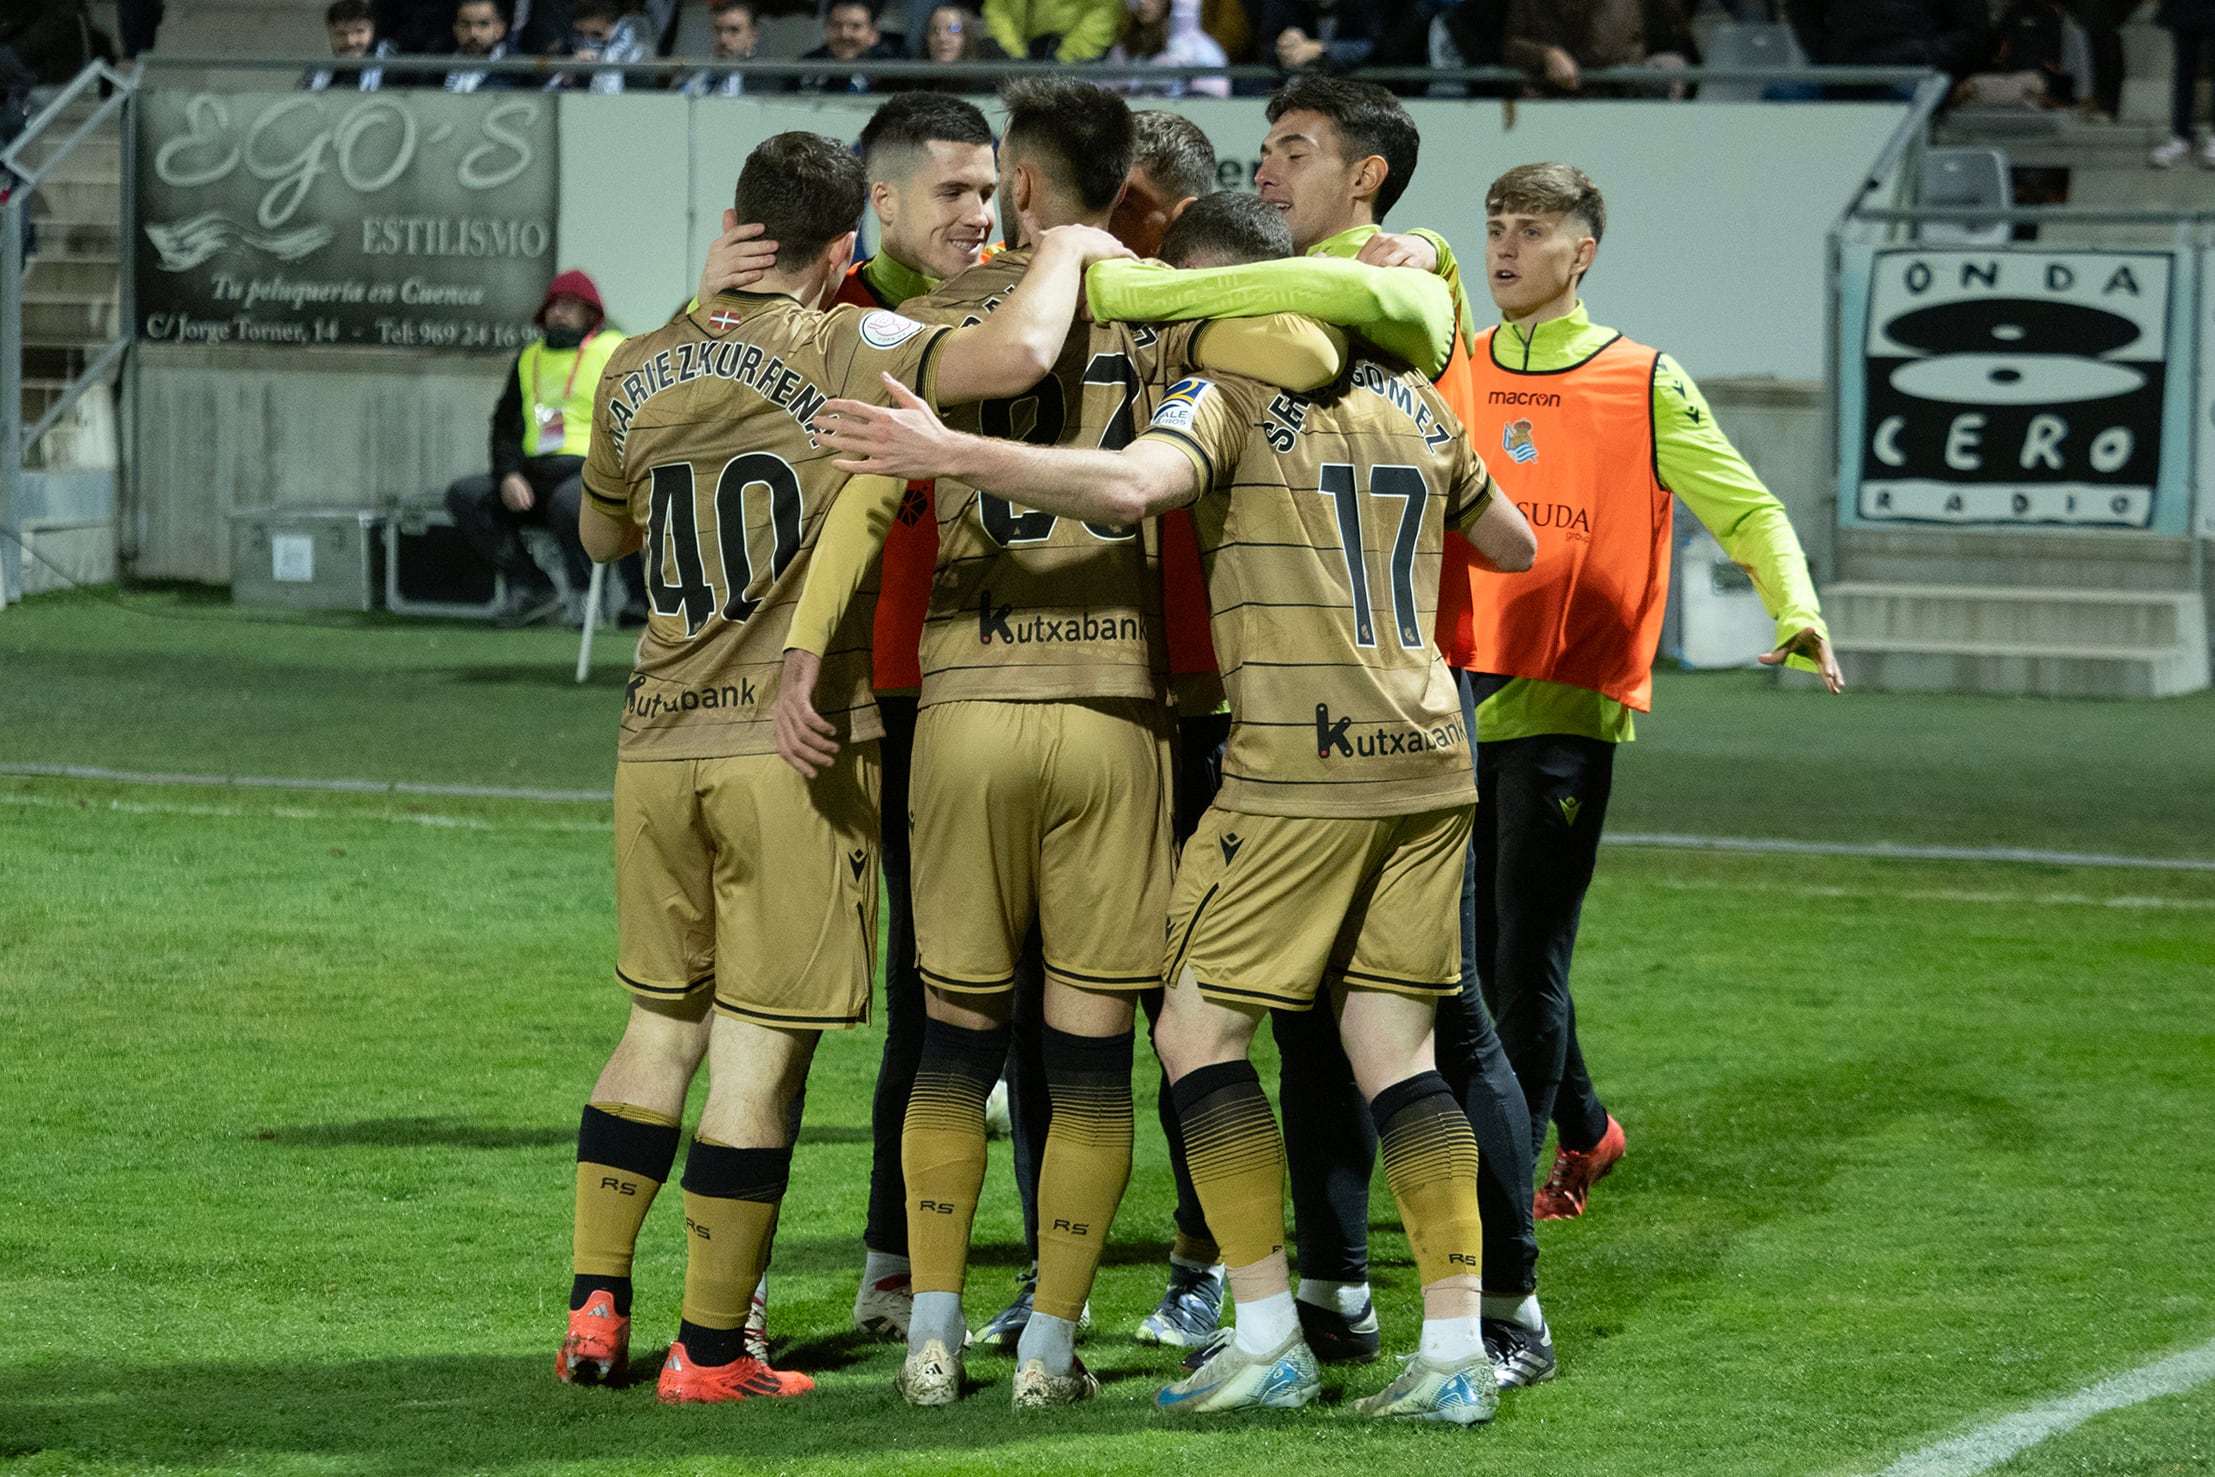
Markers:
point(73, 276)
point(2003, 668)
point(1962, 617)
point(67, 318)
point(71, 200)
point(2027, 559)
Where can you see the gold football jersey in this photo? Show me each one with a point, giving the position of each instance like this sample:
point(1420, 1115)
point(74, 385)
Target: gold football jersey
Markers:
point(1025, 605)
point(1322, 525)
point(700, 434)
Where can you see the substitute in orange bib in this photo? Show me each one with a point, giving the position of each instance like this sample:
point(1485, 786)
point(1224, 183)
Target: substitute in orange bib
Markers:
point(1591, 434)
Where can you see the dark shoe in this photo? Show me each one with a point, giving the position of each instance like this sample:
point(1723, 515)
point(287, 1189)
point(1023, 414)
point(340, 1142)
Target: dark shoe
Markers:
point(1336, 1338)
point(1520, 1356)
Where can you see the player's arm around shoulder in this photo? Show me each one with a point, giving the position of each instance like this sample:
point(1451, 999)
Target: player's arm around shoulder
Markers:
point(908, 441)
point(1016, 345)
point(1697, 463)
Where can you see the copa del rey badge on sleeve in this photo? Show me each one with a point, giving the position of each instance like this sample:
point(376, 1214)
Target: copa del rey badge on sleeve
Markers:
point(2014, 387)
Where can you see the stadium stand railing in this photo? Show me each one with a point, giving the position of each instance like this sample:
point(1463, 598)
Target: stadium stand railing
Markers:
point(64, 295)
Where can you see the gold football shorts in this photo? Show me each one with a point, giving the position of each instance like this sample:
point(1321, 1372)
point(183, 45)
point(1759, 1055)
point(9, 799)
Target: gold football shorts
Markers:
point(1057, 811)
point(739, 876)
point(1268, 909)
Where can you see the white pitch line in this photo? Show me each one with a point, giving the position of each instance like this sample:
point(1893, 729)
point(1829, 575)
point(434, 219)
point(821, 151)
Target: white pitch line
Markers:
point(302, 813)
point(1745, 845)
point(1903, 851)
point(269, 782)
point(1993, 1443)
point(1946, 895)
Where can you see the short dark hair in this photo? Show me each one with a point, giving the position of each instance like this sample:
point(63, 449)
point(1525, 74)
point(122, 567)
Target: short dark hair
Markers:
point(1543, 189)
point(611, 10)
point(504, 8)
point(868, 5)
point(1082, 132)
point(805, 189)
point(1227, 229)
point(1369, 121)
point(1173, 151)
point(912, 121)
point(347, 12)
point(749, 6)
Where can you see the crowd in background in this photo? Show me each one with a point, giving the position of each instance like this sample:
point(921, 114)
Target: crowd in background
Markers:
point(2009, 53)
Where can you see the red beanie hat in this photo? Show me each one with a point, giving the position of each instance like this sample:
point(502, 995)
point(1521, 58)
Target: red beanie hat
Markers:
point(576, 284)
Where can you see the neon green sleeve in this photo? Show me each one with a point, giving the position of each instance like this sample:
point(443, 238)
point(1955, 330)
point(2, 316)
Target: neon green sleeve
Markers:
point(1406, 313)
point(1698, 464)
point(1449, 272)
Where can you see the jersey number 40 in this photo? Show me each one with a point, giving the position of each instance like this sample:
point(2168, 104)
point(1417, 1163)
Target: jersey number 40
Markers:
point(677, 579)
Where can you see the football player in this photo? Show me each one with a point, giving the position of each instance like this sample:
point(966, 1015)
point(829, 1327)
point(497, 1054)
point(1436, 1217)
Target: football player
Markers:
point(1331, 862)
point(746, 898)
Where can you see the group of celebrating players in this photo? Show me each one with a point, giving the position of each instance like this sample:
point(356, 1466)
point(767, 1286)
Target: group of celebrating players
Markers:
point(1071, 588)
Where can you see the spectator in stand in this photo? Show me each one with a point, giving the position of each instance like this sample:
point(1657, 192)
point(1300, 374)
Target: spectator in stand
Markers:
point(1333, 35)
point(1166, 33)
point(541, 434)
point(480, 34)
point(849, 35)
point(736, 35)
point(2103, 23)
point(1065, 31)
point(2029, 65)
point(1558, 41)
point(953, 33)
point(2192, 25)
point(603, 31)
point(352, 27)
point(1953, 36)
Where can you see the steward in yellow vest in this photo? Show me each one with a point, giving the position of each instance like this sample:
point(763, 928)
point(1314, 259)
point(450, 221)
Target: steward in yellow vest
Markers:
point(541, 433)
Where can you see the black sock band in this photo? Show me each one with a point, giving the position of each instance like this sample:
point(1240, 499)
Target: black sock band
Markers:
point(724, 1173)
point(585, 1284)
point(647, 1149)
point(1403, 1094)
point(958, 1051)
point(710, 1347)
point(1202, 1083)
point(1086, 1059)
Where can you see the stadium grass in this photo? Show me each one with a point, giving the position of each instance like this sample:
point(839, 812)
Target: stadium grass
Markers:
point(293, 1080)
point(182, 682)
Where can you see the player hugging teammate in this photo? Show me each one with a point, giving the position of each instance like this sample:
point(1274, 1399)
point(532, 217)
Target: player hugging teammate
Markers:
point(860, 607)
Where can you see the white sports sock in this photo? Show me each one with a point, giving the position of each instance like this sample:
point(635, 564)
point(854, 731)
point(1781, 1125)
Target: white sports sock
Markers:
point(1452, 1340)
point(1344, 1298)
point(1049, 1338)
point(1265, 1323)
point(878, 1265)
point(937, 1315)
point(1518, 1308)
point(1192, 1266)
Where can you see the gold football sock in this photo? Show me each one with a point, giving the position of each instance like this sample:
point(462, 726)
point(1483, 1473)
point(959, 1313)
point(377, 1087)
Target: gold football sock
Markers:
point(1088, 1163)
point(942, 1149)
point(730, 1213)
point(1430, 1160)
point(623, 1155)
point(1237, 1158)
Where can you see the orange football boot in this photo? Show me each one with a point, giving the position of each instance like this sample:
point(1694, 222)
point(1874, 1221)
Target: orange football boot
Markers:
point(598, 1346)
point(1563, 1195)
point(744, 1378)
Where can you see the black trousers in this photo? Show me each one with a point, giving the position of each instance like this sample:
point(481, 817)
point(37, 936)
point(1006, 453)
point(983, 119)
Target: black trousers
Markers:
point(2190, 48)
point(1537, 836)
point(497, 534)
point(887, 1228)
point(1331, 1144)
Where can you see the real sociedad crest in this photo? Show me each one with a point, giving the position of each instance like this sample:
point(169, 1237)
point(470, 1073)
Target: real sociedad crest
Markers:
point(2014, 387)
